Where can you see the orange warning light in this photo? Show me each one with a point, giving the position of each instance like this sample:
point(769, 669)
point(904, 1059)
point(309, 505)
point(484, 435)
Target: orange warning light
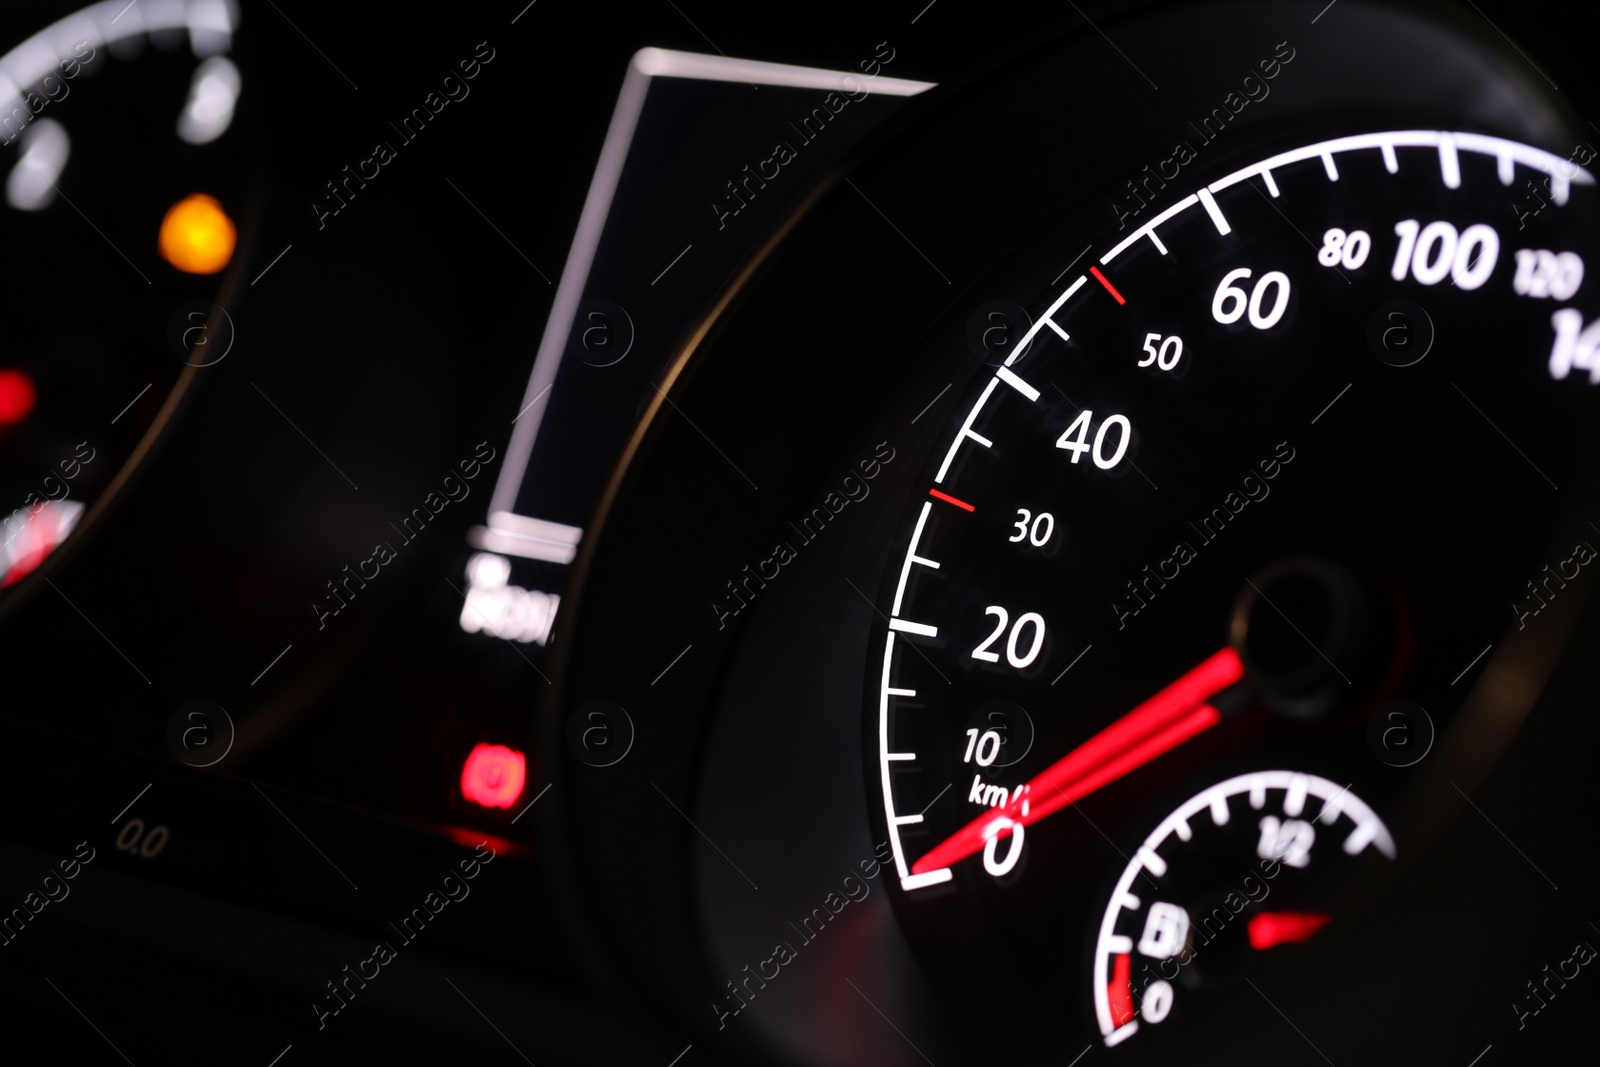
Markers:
point(197, 236)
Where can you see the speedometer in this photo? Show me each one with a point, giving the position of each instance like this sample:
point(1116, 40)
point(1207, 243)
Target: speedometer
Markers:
point(1227, 507)
point(1285, 443)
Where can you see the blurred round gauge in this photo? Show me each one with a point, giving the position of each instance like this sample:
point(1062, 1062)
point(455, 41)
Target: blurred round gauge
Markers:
point(127, 194)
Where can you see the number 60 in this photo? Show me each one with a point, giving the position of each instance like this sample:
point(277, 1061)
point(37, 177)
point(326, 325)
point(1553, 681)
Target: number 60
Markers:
point(1237, 303)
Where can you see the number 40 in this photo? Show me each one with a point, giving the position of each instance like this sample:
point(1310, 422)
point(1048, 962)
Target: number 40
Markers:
point(1075, 438)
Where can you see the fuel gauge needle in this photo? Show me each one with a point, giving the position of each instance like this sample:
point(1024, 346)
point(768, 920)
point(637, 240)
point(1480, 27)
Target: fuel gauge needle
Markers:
point(1166, 720)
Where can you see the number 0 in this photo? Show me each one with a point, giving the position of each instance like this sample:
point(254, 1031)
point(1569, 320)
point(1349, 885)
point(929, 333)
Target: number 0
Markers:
point(1036, 620)
point(1279, 304)
point(1100, 459)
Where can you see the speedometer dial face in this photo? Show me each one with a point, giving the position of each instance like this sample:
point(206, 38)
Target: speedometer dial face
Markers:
point(1246, 474)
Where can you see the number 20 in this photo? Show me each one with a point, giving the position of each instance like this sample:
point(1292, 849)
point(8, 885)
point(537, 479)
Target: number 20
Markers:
point(1013, 657)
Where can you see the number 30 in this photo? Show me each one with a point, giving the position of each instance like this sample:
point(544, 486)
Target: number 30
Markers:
point(1040, 530)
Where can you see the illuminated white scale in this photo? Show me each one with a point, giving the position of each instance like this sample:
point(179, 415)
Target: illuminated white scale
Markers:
point(1447, 145)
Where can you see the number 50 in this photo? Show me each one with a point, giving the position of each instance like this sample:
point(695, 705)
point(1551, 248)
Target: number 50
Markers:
point(1167, 356)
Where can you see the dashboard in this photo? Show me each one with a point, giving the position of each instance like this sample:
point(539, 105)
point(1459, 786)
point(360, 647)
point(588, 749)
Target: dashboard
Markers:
point(823, 536)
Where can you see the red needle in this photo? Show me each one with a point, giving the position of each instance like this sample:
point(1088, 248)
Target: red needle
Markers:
point(1271, 928)
point(1166, 720)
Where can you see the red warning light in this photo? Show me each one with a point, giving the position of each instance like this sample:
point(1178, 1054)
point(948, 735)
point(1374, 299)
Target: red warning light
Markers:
point(16, 396)
point(493, 775)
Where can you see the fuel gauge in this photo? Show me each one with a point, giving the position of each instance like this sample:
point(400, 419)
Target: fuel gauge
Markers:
point(1192, 903)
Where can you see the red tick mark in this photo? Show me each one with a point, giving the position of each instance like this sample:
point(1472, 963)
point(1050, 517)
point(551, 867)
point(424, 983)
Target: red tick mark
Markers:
point(1101, 278)
point(948, 499)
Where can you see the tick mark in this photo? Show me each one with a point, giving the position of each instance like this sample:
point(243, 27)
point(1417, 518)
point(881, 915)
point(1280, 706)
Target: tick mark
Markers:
point(948, 499)
point(1101, 278)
